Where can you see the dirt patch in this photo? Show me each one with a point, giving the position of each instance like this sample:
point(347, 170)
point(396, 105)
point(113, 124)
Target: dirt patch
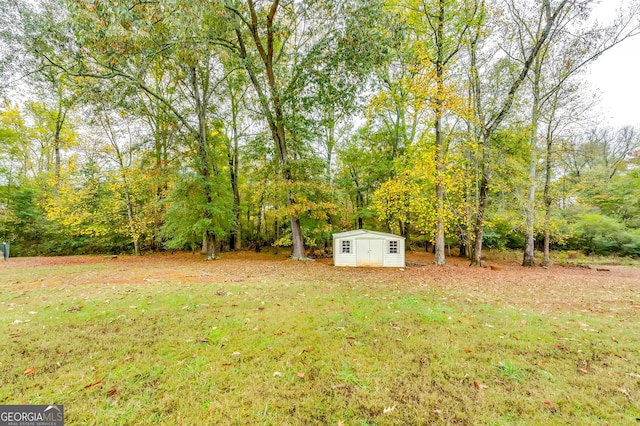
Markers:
point(614, 289)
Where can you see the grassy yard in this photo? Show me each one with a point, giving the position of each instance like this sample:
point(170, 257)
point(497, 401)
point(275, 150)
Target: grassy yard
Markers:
point(258, 339)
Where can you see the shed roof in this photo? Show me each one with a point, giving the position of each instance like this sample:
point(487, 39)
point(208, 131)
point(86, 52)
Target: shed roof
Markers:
point(357, 232)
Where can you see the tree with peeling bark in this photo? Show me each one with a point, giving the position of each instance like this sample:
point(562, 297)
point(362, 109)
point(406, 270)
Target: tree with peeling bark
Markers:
point(570, 47)
point(490, 117)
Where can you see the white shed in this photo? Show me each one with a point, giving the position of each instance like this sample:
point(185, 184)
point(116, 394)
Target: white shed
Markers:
point(368, 248)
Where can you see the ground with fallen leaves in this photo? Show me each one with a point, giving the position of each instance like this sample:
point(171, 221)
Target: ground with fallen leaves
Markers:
point(261, 339)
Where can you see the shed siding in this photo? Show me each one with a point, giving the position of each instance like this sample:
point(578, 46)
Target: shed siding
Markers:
point(394, 259)
point(351, 259)
point(344, 259)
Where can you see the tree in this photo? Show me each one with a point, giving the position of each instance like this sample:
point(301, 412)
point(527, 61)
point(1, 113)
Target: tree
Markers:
point(412, 192)
point(490, 117)
point(448, 22)
point(573, 46)
point(280, 50)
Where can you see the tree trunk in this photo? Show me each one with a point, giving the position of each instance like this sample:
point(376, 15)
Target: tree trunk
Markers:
point(206, 168)
point(463, 248)
point(530, 208)
point(331, 143)
point(236, 234)
point(476, 257)
point(547, 186)
point(272, 109)
point(205, 244)
point(210, 237)
point(134, 234)
point(60, 119)
point(439, 143)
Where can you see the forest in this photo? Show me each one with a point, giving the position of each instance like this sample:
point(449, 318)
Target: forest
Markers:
point(130, 126)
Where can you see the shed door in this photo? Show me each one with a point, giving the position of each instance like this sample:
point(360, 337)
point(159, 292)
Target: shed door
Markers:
point(369, 252)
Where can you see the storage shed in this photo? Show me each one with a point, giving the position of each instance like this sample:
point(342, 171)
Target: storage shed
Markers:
point(368, 248)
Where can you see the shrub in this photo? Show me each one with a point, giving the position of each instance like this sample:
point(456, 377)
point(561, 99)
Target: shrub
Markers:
point(603, 235)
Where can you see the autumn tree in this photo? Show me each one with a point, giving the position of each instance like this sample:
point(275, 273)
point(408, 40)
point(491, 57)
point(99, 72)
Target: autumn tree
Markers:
point(570, 47)
point(447, 23)
point(493, 108)
point(282, 45)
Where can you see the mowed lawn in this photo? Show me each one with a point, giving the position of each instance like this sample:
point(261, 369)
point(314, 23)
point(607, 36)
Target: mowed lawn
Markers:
point(260, 339)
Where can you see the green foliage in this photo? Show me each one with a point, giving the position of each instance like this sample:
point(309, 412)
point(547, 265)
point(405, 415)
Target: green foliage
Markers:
point(190, 214)
point(22, 222)
point(603, 235)
point(333, 124)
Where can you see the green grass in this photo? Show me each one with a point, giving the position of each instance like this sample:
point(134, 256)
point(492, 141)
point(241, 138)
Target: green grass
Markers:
point(279, 352)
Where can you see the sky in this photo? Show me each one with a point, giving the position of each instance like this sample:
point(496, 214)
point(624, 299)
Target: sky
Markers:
point(616, 76)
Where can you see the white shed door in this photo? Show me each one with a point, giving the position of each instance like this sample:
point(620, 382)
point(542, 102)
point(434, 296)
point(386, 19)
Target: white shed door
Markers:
point(369, 252)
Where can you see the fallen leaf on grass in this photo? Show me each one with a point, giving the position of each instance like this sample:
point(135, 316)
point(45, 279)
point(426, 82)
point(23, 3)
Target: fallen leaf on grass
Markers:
point(29, 371)
point(202, 340)
point(480, 386)
point(301, 375)
point(625, 393)
point(550, 405)
point(583, 371)
point(389, 409)
point(112, 392)
point(75, 308)
point(95, 385)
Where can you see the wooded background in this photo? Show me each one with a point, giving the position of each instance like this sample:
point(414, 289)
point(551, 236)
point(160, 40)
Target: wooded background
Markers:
point(132, 126)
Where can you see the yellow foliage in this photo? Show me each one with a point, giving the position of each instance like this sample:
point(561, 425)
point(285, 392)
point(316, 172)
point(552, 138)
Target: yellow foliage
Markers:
point(411, 195)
